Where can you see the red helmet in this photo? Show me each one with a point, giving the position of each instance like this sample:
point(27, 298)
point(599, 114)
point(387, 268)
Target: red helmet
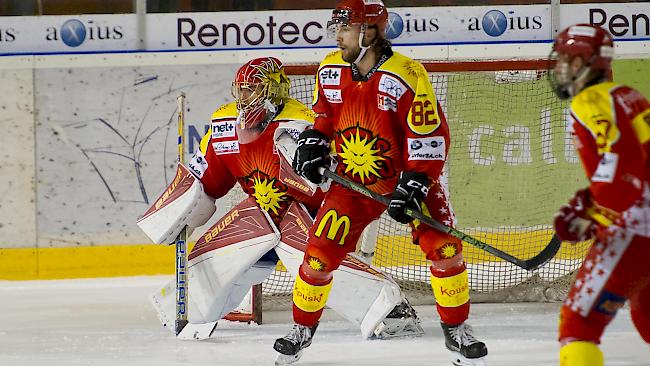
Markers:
point(369, 12)
point(260, 85)
point(593, 45)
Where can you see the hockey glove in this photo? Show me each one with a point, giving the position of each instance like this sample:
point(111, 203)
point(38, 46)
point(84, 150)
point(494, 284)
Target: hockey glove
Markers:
point(411, 189)
point(311, 154)
point(573, 223)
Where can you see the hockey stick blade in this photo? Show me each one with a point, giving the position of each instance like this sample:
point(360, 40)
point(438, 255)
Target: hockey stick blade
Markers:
point(529, 264)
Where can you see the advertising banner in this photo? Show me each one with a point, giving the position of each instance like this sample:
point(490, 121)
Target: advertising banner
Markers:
point(67, 34)
point(299, 28)
point(623, 20)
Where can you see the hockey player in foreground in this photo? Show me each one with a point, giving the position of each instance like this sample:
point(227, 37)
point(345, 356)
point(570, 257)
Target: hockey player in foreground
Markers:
point(611, 126)
point(242, 249)
point(379, 110)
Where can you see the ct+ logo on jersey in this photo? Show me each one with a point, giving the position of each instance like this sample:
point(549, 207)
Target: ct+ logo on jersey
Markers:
point(73, 33)
point(395, 25)
point(494, 23)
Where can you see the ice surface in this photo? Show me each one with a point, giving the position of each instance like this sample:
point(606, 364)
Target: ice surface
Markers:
point(109, 322)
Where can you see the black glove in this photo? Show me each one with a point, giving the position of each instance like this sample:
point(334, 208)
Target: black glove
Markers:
point(411, 189)
point(311, 154)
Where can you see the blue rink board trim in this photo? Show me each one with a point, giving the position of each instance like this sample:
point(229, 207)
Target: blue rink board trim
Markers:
point(546, 41)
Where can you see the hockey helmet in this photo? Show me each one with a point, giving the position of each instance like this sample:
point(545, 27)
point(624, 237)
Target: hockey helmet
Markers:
point(368, 12)
point(593, 45)
point(260, 87)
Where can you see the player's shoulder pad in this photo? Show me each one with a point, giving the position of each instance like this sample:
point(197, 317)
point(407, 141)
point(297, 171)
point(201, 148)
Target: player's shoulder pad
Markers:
point(593, 109)
point(333, 58)
point(228, 110)
point(294, 110)
point(405, 68)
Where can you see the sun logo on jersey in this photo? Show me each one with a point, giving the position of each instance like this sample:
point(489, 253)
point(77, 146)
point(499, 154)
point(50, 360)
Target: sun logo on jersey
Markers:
point(267, 196)
point(360, 154)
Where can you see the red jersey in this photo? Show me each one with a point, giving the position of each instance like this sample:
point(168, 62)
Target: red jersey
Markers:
point(611, 125)
point(222, 160)
point(383, 123)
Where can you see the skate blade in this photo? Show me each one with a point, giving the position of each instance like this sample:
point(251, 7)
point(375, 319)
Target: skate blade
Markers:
point(460, 360)
point(287, 359)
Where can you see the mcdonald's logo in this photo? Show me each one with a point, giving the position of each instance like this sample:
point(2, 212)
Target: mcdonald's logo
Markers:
point(334, 226)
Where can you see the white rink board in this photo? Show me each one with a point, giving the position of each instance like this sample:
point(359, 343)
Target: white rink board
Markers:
point(108, 322)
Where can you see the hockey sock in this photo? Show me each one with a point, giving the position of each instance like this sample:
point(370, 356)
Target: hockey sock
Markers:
point(580, 353)
point(309, 298)
point(451, 290)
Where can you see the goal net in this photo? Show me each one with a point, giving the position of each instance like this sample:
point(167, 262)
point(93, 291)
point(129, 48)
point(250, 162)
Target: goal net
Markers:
point(511, 165)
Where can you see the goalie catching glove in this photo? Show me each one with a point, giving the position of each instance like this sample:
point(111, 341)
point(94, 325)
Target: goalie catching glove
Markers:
point(573, 222)
point(412, 188)
point(311, 154)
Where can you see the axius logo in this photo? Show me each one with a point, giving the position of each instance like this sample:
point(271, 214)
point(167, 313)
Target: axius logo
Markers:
point(495, 23)
point(74, 33)
point(397, 25)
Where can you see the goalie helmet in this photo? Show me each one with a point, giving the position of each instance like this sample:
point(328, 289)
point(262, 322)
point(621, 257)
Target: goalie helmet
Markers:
point(594, 46)
point(260, 88)
point(368, 12)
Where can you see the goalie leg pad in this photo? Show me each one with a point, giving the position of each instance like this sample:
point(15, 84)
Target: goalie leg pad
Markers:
point(402, 321)
point(450, 285)
point(221, 265)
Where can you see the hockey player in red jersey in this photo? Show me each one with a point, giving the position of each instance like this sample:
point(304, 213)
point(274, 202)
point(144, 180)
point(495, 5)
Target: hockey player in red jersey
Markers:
point(378, 109)
point(244, 247)
point(611, 127)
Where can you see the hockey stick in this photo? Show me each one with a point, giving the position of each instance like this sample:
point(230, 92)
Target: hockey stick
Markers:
point(528, 264)
point(181, 240)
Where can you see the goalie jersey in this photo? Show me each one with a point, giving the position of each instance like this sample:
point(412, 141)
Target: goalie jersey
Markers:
point(383, 123)
point(222, 161)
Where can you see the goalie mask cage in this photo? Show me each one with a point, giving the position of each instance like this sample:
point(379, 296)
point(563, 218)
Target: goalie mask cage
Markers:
point(511, 165)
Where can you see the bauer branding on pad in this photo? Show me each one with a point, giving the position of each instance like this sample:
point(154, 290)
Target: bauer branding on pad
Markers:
point(182, 203)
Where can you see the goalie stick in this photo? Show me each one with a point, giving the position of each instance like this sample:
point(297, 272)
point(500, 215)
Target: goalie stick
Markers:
point(528, 264)
point(181, 240)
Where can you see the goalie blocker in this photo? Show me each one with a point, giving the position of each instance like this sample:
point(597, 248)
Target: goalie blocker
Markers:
point(242, 249)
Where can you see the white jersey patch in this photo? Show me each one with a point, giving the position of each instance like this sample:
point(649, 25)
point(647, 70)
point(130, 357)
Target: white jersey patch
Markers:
point(386, 103)
point(606, 169)
point(225, 147)
point(391, 86)
point(198, 165)
point(330, 76)
point(222, 129)
point(430, 148)
point(333, 95)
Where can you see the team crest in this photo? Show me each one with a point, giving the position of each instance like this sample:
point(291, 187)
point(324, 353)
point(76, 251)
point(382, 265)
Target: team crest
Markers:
point(364, 155)
point(269, 194)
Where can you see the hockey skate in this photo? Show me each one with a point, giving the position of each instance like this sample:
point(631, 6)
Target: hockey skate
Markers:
point(290, 346)
point(466, 350)
point(402, 321)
